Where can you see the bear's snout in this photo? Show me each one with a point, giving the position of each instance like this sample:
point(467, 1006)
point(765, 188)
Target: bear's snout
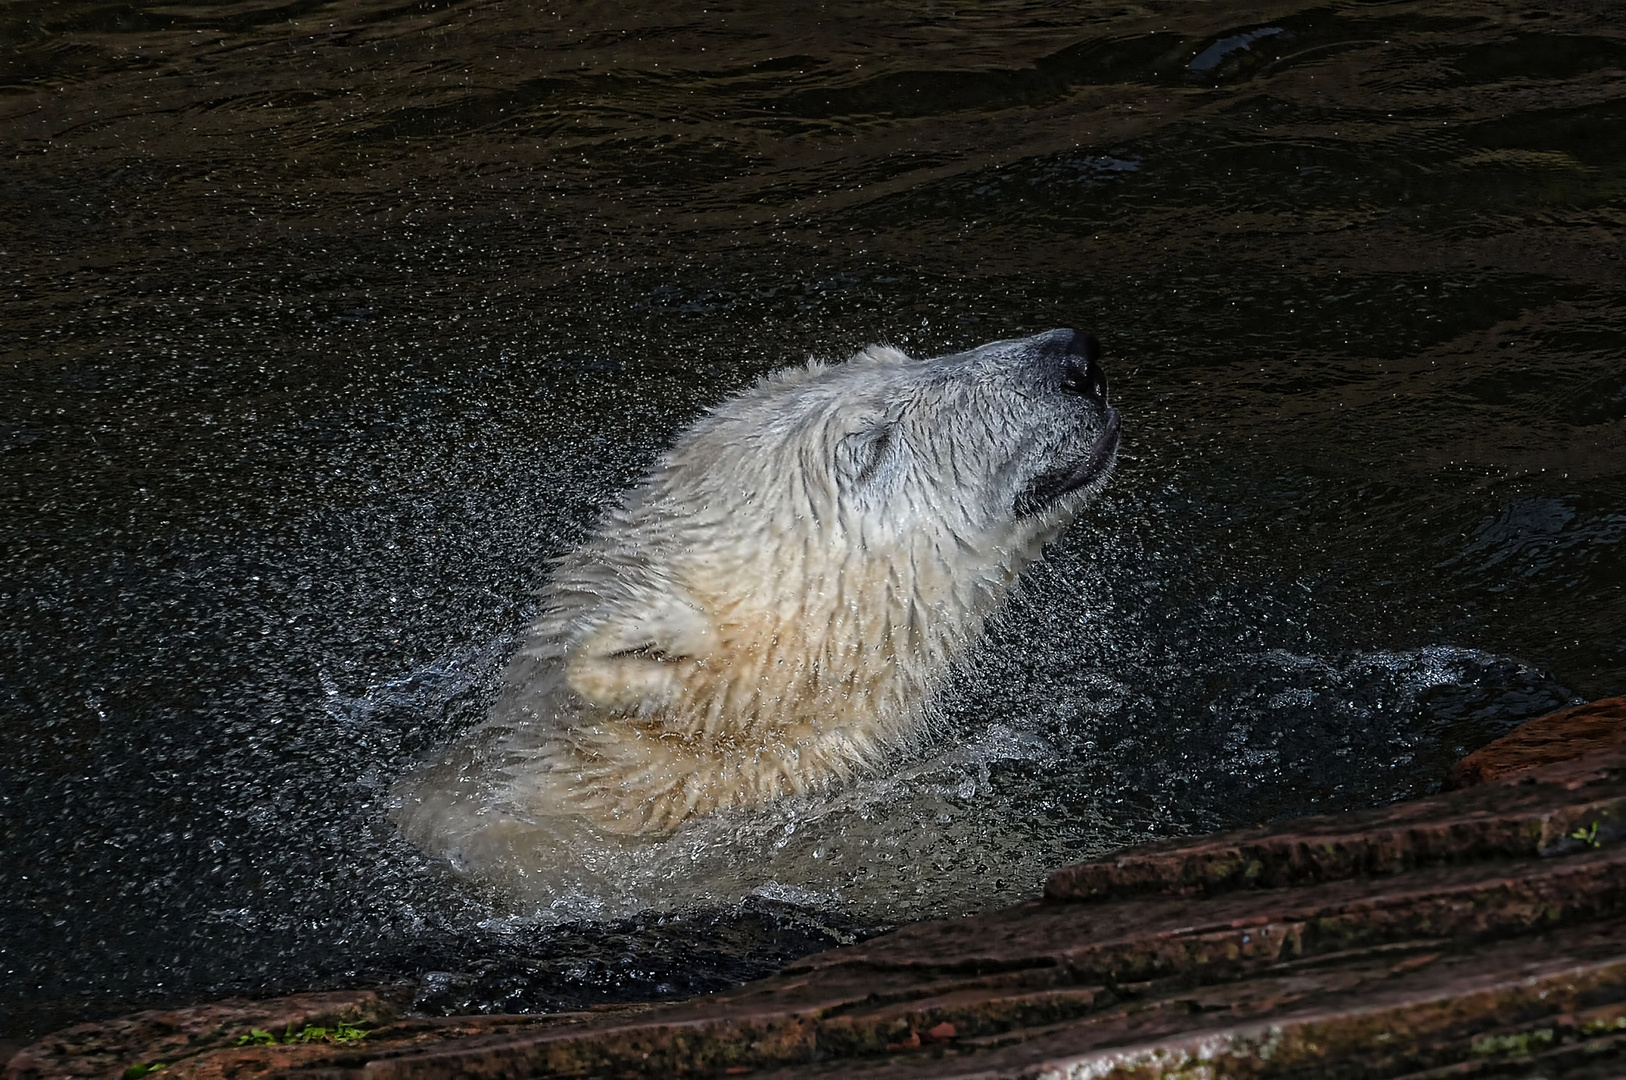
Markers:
point(1081, 374)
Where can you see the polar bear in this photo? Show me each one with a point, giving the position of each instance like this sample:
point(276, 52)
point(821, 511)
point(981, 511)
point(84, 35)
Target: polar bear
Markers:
point(773, 609)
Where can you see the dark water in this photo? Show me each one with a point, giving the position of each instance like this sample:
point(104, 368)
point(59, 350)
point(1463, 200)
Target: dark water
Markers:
point(324, 324)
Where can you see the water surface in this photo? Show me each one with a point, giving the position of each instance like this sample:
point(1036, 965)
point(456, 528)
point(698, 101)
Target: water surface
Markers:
point(324, 325)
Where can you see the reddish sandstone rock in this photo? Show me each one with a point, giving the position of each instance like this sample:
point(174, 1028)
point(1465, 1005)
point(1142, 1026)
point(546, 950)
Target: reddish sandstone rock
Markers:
point(202, 1042)
point(414, 1034)
point(1480, 932)
point(1387, 1011)
point(1558, 736)
point(110, 1047)
point(1525, 815)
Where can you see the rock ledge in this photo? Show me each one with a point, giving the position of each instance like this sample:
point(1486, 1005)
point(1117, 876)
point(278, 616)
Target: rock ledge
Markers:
point(1475, 933)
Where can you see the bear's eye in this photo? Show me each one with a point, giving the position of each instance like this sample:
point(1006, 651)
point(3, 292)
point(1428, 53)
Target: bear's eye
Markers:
point(880, 443)
point(865, 454)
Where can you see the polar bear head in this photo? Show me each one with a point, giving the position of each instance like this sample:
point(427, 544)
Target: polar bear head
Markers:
point(804, 565)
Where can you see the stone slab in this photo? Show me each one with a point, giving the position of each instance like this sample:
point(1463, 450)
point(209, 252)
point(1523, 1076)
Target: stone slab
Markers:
point(1479, 932)
point(1529, 814)
point(109, 1047)
point(1559, 736)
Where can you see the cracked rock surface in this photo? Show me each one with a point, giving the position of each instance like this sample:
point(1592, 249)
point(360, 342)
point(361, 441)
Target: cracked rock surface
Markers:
point(1480, 932)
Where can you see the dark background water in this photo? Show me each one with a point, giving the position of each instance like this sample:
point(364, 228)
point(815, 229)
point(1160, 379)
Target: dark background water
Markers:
point(323, 324)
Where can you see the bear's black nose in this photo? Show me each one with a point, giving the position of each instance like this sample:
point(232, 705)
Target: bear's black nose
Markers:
point(1080, 373)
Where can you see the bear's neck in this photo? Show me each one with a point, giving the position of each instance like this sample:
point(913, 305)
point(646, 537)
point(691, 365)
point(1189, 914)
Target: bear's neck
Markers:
point(820, 639)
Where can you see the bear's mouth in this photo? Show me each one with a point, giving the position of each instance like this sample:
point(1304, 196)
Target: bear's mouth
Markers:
point(1048, 487)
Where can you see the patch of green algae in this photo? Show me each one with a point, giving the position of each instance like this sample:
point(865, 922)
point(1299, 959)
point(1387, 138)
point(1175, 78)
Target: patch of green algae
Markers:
point(1518, 1045)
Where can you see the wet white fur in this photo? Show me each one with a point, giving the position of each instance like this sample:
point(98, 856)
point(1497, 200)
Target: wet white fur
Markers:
point(774, 608)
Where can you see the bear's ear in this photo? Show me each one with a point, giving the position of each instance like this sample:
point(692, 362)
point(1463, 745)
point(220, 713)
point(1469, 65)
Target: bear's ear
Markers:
point(880, 354)
point(868, 455)
point(630, 663)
